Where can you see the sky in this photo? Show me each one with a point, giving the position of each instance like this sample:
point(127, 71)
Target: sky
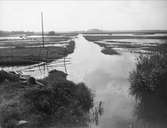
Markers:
point(70, 15)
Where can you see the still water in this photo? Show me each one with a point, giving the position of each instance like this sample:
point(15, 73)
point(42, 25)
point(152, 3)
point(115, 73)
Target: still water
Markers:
point(106, 75)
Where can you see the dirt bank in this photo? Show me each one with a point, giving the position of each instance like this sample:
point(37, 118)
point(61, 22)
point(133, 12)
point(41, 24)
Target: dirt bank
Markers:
point(51, 101)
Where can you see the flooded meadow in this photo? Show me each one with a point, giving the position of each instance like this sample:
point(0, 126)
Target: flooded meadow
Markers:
point(107, 75)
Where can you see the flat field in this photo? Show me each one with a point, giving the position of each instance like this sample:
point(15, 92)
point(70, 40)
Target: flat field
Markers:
point(31, 51)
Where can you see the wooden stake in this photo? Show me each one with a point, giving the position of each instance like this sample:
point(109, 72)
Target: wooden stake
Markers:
point(42, 29)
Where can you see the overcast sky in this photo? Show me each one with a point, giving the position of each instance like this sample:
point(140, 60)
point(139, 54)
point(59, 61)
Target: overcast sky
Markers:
point(83, 15)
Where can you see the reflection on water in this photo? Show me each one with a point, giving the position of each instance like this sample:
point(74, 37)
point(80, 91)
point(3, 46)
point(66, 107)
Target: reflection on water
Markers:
point(106, 75)
point(96, 113)
point(151, 113)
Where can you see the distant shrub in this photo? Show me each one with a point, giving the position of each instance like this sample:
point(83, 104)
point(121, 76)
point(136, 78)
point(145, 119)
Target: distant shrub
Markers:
point(51, 33)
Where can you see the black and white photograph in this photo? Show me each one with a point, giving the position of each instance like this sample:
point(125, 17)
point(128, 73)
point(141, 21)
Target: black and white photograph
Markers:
point(83, 64)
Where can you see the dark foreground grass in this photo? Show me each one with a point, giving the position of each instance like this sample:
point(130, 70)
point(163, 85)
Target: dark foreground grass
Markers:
point(57, 102)
point(33, 55)
point(149, 86)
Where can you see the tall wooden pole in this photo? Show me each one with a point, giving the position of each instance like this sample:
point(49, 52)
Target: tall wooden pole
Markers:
point(65, 60)
point(42, 29)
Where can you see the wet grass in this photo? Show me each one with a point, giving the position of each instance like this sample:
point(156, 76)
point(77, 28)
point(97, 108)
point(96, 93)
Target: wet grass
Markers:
point(144, 48)
point(33, 55)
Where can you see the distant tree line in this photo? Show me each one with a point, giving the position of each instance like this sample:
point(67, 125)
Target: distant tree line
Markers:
point(28, 33)
point(10, 33)
point(51, 33)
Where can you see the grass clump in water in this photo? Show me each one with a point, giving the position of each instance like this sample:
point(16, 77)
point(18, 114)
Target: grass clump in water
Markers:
point(109, 51)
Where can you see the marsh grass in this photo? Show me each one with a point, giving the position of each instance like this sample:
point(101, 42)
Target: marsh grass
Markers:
point(102, 37)
point(109, 51)
point(60, 101)
point(106, 41)
point(33, 55)
point(149, 85)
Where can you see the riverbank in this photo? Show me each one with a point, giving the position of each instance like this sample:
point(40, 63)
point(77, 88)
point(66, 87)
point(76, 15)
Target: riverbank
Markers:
point(144, 44)
point(149, 88)
point(33, 55)
point(46, 102)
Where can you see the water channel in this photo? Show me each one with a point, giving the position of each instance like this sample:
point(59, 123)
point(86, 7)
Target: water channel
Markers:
point(106, 75)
